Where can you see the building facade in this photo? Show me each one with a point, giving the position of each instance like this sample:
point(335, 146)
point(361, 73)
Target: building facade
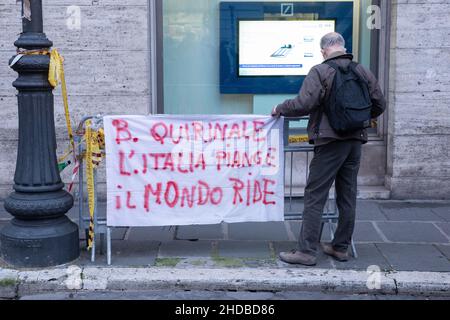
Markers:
point(164, 56)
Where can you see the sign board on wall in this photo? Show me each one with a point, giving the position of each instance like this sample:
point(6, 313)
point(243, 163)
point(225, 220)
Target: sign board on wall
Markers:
point(268, 47)
point(188, 170)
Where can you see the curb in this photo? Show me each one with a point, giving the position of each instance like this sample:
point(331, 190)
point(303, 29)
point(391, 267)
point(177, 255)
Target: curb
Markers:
point(16, 284)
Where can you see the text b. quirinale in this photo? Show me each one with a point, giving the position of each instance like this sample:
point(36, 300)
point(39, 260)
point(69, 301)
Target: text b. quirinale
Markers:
point(196, 131)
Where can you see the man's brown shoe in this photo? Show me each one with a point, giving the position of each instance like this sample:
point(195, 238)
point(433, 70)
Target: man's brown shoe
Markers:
point(297, 257)
point(339, 256)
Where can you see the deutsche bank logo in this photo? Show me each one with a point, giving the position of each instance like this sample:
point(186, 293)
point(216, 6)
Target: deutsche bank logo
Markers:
point(287, 9)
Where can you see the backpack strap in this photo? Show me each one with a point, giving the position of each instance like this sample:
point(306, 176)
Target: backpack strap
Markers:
point(353, 65)
point(335, 66)
point(332, 64)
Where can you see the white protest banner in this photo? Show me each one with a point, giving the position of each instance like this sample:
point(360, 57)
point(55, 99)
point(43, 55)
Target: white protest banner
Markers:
point(192, 170)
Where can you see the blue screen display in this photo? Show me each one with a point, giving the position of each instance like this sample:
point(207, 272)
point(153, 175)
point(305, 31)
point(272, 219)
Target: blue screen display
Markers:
point(269, 47)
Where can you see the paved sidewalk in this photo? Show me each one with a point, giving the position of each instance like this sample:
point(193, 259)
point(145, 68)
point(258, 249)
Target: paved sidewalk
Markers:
point(395, 236)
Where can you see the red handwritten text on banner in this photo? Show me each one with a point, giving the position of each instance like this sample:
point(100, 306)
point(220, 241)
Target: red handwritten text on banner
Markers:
point(184, 170)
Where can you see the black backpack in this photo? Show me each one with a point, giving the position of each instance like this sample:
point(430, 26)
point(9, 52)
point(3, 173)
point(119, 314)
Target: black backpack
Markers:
point(349, 105)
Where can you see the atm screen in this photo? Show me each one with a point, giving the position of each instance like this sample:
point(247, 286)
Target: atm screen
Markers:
point(280, 48)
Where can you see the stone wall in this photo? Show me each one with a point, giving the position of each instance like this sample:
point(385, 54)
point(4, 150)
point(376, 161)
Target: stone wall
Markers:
point(107, 66)
point(419, 115)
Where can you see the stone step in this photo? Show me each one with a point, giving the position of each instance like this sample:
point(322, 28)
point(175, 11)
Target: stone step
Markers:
point(364, 192)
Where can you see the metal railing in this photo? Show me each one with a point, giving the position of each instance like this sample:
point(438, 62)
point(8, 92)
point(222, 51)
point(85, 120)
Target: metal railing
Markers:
point(101, 229)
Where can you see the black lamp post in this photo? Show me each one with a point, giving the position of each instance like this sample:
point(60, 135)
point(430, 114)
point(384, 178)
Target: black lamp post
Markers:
point(40, 235)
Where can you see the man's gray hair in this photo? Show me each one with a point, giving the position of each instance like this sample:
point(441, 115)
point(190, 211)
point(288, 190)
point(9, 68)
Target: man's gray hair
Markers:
point(331, 40)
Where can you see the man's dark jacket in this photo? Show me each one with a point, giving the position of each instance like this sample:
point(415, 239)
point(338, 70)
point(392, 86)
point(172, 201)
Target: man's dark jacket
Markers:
point(314, 92)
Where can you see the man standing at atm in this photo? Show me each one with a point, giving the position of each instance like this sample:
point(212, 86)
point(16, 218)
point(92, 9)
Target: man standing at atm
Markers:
point(341, 97)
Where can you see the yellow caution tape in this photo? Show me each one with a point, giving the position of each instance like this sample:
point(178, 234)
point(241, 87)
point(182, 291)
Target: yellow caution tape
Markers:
point(96, 152)
point(69, 152)
point(21, 53)
point(90, 182)
point(101, 138)
point(66, 154)
point(56, 76)
point(298, 139)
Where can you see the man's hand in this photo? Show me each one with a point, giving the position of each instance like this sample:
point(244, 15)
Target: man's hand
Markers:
point(275, 112)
